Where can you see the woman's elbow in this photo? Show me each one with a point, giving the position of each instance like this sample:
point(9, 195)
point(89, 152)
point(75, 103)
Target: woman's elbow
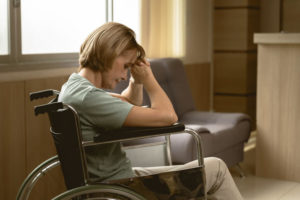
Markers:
point(167, 119)
point(172, 118)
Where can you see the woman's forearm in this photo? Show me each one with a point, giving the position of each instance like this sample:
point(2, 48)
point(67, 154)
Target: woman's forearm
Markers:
point(133, 93)
point(159, 99)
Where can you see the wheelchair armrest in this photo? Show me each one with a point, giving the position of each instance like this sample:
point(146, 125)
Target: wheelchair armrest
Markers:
point(132, 133)
point(128, 133)
point(41, 109)
point(43, 94)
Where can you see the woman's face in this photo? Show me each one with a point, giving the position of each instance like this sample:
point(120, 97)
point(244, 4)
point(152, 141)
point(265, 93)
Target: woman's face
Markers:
point(119, 69)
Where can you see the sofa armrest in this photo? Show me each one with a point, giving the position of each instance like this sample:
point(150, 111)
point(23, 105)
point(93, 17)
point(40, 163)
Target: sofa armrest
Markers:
point(203, 118)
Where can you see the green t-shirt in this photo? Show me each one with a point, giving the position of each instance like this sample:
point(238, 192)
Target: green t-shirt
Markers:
point(97, 109)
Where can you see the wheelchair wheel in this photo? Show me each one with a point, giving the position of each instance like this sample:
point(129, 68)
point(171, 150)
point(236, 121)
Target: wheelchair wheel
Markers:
point(99, 192)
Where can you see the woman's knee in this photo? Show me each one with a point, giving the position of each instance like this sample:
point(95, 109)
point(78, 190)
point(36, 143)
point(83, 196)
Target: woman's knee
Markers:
point(216, 165)
point(214, 161)
point(222, 164)
point(216, 172)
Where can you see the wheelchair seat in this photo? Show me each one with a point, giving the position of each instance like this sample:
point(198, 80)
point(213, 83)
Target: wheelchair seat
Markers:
point(66, 132)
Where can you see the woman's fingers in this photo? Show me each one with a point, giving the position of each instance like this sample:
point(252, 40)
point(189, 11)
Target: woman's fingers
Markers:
point(140, 70)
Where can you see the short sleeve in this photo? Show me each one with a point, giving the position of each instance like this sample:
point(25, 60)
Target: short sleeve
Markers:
point(104, 111)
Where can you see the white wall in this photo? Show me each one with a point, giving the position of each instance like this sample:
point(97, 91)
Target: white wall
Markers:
point(198, 31)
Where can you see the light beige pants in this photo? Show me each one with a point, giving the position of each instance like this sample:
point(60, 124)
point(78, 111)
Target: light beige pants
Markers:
point(219, 183)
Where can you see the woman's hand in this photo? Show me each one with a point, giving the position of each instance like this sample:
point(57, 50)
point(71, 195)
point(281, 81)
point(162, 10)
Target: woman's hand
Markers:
point(161, 112)
point(140, 71)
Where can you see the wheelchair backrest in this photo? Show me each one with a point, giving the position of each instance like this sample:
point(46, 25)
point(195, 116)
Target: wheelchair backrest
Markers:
point(66, 132)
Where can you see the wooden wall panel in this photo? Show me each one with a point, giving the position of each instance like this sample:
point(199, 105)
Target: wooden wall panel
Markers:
point(291, 16)
point(243, 104)
point(39, 142)
point(235, 23)
point(12, 138)
point(232, 30)
point(269, 16)
point(235, 73)
point(198, 75)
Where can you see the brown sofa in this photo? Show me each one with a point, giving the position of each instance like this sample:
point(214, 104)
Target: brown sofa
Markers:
point(223, 134)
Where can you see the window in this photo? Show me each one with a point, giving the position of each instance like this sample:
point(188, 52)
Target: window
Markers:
point(128, 13)
point(3, 27)
point(51, 31)
point(59, 26)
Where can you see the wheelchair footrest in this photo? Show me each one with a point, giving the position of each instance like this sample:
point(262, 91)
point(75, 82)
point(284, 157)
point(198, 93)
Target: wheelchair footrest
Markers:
point(177, 185)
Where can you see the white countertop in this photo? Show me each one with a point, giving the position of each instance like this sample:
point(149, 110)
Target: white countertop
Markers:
point(277, 38)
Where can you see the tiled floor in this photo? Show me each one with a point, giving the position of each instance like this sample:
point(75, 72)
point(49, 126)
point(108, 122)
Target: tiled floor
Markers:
point(257, 188)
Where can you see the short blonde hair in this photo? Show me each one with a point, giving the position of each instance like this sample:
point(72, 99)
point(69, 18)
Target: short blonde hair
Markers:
point(106, 43)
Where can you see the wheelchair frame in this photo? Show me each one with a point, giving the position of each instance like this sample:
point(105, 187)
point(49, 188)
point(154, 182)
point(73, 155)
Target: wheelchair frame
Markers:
point(43, 168)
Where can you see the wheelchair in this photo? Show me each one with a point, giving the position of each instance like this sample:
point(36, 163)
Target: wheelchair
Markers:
point(66, 132)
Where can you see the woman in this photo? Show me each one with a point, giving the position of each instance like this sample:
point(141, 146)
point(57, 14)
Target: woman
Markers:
point(105, 58)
